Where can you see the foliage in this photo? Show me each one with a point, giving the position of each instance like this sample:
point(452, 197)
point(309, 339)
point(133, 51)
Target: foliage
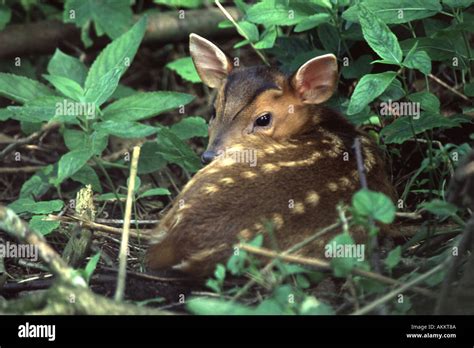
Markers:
point(392, 51)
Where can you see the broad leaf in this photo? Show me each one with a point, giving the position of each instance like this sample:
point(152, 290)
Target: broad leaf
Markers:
point(125, 129)
point(144, 105)
point(396, 11)
point(185, 68)
point(375, 205)
point(67, 87)
point(28, 205)
point(71, 163)
point(113, 61)
point(369, 88)
point(379, 37)
point(190, 127)
point(66, 66)
point(22, 89)
point(401, 129)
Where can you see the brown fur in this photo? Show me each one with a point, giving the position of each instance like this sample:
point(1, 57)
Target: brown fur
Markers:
point(300, 176)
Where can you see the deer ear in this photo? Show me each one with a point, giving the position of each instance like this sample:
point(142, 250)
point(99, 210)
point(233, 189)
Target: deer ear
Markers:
point(211, 63)
point(316, 80)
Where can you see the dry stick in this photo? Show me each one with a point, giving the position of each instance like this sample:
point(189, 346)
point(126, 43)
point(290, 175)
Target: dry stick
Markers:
point(32, 137)
point(143, 234)
point(325, 265)
point(126, 226)
point(237, 26)
point(445, 85)
point(382, 300)
point(294, 248)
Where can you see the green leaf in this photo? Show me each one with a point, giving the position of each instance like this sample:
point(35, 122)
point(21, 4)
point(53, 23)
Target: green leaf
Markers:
point(38, 184)
point(67, 87)
point(190, 127)
point(5, 114)
point(87, 176)
point(22, 89)
point(369, 88)
point(312, 22)
point(125, 129)
point(66, 66)
point(458, 3)
point(150, 159)
point(144, 105)
point(38, 110)
point(358, 68)
point(341, 265)
point(71, 163)
point(123, 91)
point(393, 92)
point(418, 60)
point(396, 11)
point(248, 30)
point(400, 130)
point(155, 192)
point(5, 16)
point(91, 266)
point(113, 61)
point(267, 39)
point(185, 68)
point(393, 257)
point(437, 49)
point(174, 150)
point(27, 205)
point(100, 92)
point(379, 37)
point(45, 227)
point(375, 205)
point(77, 140)
point(279, 12)
point(428, 101)
point(113, 17)
point(439, 207)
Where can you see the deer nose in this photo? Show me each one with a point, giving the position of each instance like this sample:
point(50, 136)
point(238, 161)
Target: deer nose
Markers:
point(208, 156)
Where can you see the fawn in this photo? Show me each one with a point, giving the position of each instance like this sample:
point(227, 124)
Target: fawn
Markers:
point(303, 164)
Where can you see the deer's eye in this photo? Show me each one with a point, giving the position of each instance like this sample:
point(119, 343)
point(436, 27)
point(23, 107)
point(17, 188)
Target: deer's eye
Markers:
point(263, 120)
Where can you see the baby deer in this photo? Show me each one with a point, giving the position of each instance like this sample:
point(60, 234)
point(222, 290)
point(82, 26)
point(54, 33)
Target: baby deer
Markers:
point(275, 154)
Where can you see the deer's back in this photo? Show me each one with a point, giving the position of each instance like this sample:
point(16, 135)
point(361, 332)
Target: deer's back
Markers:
point(295, 185)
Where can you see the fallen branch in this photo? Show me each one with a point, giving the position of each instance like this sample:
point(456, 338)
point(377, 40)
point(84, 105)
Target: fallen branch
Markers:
point(43, 37)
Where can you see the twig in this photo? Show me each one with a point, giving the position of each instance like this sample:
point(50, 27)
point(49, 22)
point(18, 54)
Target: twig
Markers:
point(294, 248)
point(325, 265)
point(120, 221)
point(32, 137)
point(382, 300)
point(143, 234)
point(126, 226)
point(445, 85)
